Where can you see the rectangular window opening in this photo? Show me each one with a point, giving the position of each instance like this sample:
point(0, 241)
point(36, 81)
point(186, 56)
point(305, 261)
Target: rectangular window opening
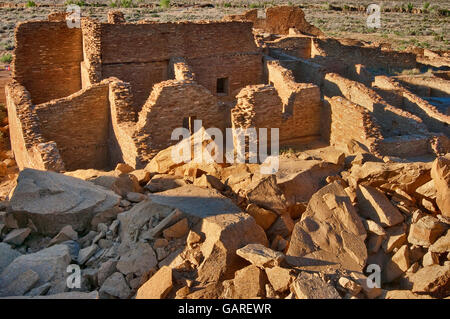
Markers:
point(222, 86)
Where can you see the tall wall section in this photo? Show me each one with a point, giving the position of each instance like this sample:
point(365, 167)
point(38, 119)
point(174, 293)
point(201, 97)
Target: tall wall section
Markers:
point(47, 59)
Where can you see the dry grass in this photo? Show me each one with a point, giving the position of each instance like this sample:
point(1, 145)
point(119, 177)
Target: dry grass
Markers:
point(428, 28)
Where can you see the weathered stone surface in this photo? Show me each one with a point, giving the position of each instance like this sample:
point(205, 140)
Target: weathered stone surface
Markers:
point(351, 286)
point(177, 230)
point(209, 181)
point(406, 176)
point(139, 259)
point(267, 194)
point(50, 264)
point(135, 197)
point(433, 280)
point(395, 238)
point(373, 227)
point(158, 286)
point(371, 292)
point(263, 217)
point(308, 286)
point(7, 255)
point(86, 253)
point(440, 173)
point(164, 182)
point(260, 255)
point(404, 294)
point(249, 282)
point(52, 201)
point(430, 258)
point(283, 226)
point(132, 220)
point(17, 236)
point(24, 282)
point(226, 233)
point(300, 179)
point(66, 233)
point(116, 286)
point(279, 278)
point(398, 264)
point(425, 231)
point(196, 201)
point(441, 245)
point(106, 269)
point(330, 230)
point(375, 205)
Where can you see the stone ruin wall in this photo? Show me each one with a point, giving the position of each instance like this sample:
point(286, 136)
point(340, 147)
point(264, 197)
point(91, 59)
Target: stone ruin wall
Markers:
point(47, 59)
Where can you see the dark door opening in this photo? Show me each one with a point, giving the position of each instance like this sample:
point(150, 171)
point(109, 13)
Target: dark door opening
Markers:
point(222, 86)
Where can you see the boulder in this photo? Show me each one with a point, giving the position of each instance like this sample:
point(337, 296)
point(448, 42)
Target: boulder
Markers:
point(66, 233)
point(330, 230)
point(300, 179)
point(196, 201)
point(260, 255)
point(440, 246)
point(23, 283)
point(267, 194)
point(263, 217)
point(440, 173)
point(139, 259)
point(249, 282)
point(134, 219)
point(398, 264)
point(17, 236)
point(433, 280)
point(279, 278)
point(164, 182)
point(52, 201)
point(406, 176)
point(158, 286)
point(309, 286)
point(425, 231)
point(7, 255)
point(177, 230)
point(50, 264)
point(116, 286)
point(375, 205)
point(224, 234)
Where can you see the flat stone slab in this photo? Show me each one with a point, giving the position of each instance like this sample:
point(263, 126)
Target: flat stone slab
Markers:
point(196, 201)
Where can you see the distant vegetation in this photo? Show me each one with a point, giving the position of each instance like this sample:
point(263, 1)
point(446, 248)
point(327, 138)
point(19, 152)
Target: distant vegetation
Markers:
point(164, 4)
point(6, 58)
point(30, 4)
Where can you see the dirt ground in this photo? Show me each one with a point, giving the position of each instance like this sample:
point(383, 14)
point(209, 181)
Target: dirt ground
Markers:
point(403, 23)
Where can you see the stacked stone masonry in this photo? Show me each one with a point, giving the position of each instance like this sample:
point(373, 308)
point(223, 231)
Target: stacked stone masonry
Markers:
point(105, 93)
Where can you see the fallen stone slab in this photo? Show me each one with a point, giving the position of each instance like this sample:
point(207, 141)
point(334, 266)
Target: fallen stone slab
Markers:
point(425, 231)
point(50, 264)
point(440, 173)
point(405, 176)
point(17, 236)
point(280, 278)
point(158, 286)
point(375, 205)
point(441, 245)
point(164, 182)
point(300, 179)
point(308, 286)
point(116, 286)
point(249, 282)
point(433, 280)
point(330, 230)
point(52, 201)
point(7, 255)
point(196, 201)
point(224, 234)
point(260, 255)
point(23, 283)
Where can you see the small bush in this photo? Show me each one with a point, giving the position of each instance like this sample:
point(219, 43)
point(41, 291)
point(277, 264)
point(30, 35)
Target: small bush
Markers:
point(227, 5)
point(6, 58)
point(30, 4)
point(113, 4)
point(426, 5)
point(164, 4)
point(126, 3)
point(410, 7)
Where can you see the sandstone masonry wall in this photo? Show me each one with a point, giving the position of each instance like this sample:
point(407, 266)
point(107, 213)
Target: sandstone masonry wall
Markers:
point(47, 59)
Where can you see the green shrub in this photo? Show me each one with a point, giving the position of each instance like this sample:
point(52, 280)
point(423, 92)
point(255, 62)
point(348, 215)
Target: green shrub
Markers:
point(426, 5)
point(6, 58)
point(227, 5)
point(164, 4)
point(410, 7)
point(126, 3)
point(30, 4)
